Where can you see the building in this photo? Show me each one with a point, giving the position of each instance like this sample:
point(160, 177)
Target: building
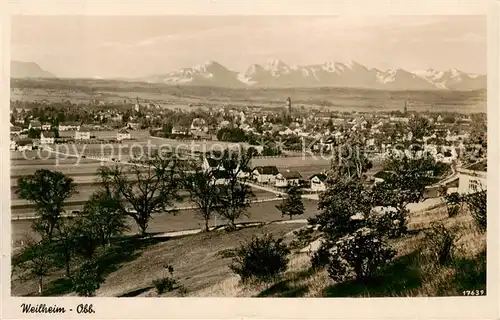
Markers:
point(289, 106)
point(13, 145)
point(35, 124)
point(82, 135)
point(15, 131)
point(180, 130)
point(472, 178)
point(318, 182)
point(46, 126)
point(134, 125)
point(25, 145)
point(47, 137)
point(69, 126)
point(287, 178)
point(265, 174)
point(123, 134)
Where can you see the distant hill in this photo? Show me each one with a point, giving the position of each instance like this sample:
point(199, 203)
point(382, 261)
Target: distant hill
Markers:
point(277, 74)
point(19, 69)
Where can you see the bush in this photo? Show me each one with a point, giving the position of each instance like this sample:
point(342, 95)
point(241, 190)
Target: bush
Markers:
point(321, 258)
point(476, 202)
point(165, 284)
point(261, 259)
point(303, 237)
point(440, 243)
point(388, 223)
point(87, 279)
point(453, 203)
point(359, 255)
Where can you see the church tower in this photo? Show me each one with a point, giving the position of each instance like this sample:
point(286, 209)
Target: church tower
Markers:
point(289, 106)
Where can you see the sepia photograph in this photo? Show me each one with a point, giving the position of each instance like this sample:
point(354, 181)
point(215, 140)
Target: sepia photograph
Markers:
point(250, 156)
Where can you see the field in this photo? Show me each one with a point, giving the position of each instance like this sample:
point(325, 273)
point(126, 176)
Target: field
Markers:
point(180, 97)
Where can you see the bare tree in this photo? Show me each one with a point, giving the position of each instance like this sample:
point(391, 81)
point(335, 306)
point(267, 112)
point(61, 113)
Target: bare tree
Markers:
point(146, 187)
point(203, 191)
point(234, 194)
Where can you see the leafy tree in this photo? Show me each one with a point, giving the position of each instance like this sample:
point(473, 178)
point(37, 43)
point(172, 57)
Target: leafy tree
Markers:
point(203, 191)
point(65, 243)
point(48, 190)
point(343, 206)
point(420, 127)
point(87, 279)
point(359, 255)
point(352, 160)
point(292, 205)
point(148, 186)
point(477, 204)
point(404, 183)
point(34, 133)
point(103, 216)
point(35, 262)
point(261, 259)
point(234, 195)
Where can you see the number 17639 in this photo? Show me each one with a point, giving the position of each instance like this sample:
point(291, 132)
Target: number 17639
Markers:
point(474, 292)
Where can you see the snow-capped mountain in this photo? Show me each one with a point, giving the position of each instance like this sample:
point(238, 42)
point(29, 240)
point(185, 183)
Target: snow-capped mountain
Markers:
point(276, 73)
point(208, 73)
point(453, 79)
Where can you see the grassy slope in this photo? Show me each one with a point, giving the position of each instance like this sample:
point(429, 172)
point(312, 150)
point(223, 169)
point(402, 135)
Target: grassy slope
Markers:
point(202, 272)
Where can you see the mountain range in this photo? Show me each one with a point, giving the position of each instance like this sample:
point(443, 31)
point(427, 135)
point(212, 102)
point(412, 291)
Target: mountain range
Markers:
point(276, 73)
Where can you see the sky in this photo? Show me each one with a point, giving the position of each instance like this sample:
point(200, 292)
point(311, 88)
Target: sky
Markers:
point(136, 46)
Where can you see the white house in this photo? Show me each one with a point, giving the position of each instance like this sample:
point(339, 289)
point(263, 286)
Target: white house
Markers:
point(266, 174)
point(82, 135)
point(46, 126)
point(472, 178)
point(318, 182)
point(123, 134)
point(13, 145)
point(287, 178)
point(47, 137)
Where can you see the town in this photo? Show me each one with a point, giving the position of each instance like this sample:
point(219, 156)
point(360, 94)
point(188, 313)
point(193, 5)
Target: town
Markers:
point(293, 152)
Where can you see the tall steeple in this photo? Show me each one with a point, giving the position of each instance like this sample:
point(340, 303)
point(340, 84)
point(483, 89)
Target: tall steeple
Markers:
point(289, 106)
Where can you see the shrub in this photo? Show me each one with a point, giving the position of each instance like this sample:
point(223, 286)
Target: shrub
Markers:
point(476, 202)
point(260, 259)
point(453, 203)
point(87, 279)
point(440, 243)
point(303, 237)
point(321, 257)
point(165, 284)
point(359, 255)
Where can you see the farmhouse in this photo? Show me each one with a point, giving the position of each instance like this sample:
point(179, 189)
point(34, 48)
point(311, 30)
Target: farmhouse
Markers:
point(47, 137)
point(472, 178)
point(287, 178)
point(82, 135)
point(318, 182)
point(266, 174)
point(46, 126)
point(123, 134)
